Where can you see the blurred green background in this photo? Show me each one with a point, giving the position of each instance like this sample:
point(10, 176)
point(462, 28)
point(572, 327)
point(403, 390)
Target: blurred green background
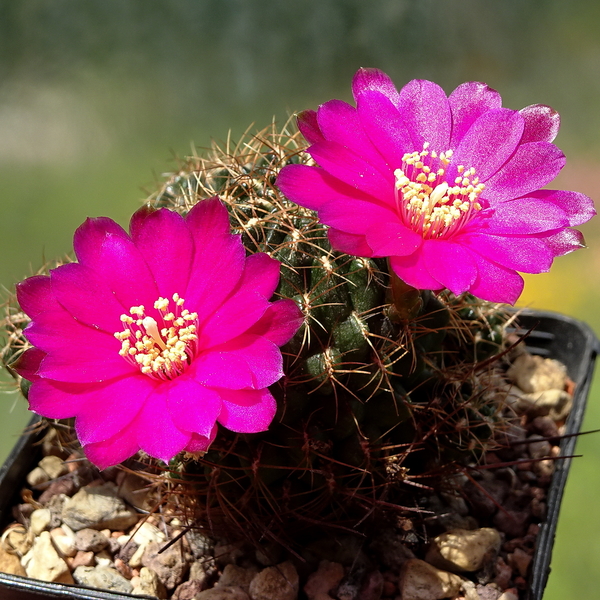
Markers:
point(97, 97)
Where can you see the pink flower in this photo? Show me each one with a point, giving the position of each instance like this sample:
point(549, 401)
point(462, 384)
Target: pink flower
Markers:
point(155, 336)
point(447, 187)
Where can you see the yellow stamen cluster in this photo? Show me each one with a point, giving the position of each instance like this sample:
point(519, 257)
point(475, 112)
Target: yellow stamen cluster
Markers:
point(426, 201)
point(164, 350)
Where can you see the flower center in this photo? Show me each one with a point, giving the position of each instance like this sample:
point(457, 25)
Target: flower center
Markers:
point(163, 348)
point(427, 203)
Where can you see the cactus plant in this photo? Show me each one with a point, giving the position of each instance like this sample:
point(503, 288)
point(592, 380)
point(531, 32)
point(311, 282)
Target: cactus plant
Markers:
point(386, 386)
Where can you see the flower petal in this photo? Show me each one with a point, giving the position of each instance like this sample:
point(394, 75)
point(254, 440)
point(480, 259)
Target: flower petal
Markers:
point(349, 243)
point(451, 264)
point(355, 216)
point(106, 409)
point(352, 169)
point(339, 122)
point(578, 207)
point(522, 216)
point(119, 264)
point(374, 79)
point(309, 127)
point(251, 361)
point(385, 126)
point(495, 283)
point(35, 296)
point(114, 450)
point(468, 102)
point(164, 240)
point(261, 273)
point(392, 238)
point(531, 167)
point(527, 254)
point(199, 443)
point(90, 236)
point(84, 366)
point(28, 363)
point(412, 270)
point(219, 258)
point(56, 329)
point(312, 187)
point(279, 323)
point(541, 123)
point(247, 411)
point(86, 297)
point(565, 241)
point(155, 431)
point(426, 112)
point(193, 407)
point(489, 143)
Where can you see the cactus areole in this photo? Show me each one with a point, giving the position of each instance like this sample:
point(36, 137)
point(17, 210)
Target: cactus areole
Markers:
point(155, 336)
point(447, 187)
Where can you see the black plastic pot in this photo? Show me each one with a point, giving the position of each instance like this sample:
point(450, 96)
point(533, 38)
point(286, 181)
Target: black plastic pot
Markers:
point(552, 335)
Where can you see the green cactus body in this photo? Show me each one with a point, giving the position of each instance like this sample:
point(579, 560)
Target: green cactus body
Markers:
point(376, 381)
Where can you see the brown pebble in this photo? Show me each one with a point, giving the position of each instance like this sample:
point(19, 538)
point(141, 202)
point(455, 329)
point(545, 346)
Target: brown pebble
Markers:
point(503, 573)
point(123, 568)
point(64, 486)
point(82, 559)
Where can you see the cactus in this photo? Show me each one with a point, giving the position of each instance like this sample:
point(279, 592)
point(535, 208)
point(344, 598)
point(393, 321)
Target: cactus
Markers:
point(385, 387)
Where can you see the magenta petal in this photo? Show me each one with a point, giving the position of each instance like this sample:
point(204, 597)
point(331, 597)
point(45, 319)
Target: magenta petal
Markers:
point(355, 216)
point(206, 219)
point(251, 361)
point(392, 238)
point(261, 274)
point(219, 368)
point(309, 127)
point(247, 411)
point(374, 79)
point(84, 365)
point(234, 317)
point(385, 127)
point(56, 329)
point(279, 323)
point(354, 170)
point(495, 283)
point(523, 216)
point(107, 409)
point(578, 207)
point(28, 363)
point(219, 258)
point(35, 295)
point(199, 443)
point(489, 143)
point(55, 400)
point(451, 264)
point(541, 123)
point(412, 270)
point(156, 432)
point(532, 166)
point(340, 123)
point(114, 450)
point(426, 111)
point(90, 236)
point(164, 240)
point(193, 407)
point(86, 297)
point(125, 271)
point(468, 102)
point(564, 242)
point(349, 243)
point(312, 187)
point(527, 254)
